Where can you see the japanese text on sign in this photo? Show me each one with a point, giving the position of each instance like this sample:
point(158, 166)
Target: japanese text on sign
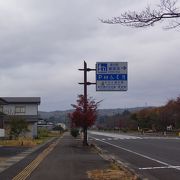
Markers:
point(111, 76)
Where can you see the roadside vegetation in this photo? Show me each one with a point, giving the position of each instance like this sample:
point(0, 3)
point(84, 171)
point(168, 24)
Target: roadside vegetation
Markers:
point(43, 135)
point(17, 126)
point(151, 119)
point(114, 172)
point(21, 142)
point(83, 116)
point(74, 132)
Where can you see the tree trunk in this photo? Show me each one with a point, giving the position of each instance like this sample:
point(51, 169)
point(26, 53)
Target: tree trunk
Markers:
point(85, 143)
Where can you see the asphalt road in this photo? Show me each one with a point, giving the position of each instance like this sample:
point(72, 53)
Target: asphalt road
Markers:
point(152, 157)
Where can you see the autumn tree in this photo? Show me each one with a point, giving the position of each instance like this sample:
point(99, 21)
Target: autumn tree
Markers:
point(82, 118)
point(159, 118)
point(167, 11)
point(147, 118)
point(170, 113)
point(144, 119)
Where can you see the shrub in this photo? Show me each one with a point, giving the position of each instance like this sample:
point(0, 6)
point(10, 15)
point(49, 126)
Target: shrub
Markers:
point(18, 126)
point(42, 132)
point(59, 128)
point(75, 132)
point(124, 130)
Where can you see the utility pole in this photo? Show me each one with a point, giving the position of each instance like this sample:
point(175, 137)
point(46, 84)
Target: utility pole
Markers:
point(85, 83)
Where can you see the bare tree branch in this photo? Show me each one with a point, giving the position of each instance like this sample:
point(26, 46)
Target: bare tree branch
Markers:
point(167, 10)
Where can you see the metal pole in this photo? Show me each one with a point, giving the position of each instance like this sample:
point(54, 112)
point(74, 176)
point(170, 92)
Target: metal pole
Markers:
point(85, 87)
point(85, 103)
point(85, 83)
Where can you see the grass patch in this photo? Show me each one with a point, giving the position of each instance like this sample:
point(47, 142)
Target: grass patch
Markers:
point(29, 142)
point(114, 172)
point(55, 134)
point(2, 159)
point(21, 142)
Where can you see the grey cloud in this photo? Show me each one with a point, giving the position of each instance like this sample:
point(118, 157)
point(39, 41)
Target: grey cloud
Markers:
point(43, 43)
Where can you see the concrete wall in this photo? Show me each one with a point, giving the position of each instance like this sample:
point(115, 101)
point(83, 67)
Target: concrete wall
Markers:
point(32, 130)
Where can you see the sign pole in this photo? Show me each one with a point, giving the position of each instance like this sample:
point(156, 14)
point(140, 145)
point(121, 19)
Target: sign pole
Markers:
point(85, 104)
point(85, 83)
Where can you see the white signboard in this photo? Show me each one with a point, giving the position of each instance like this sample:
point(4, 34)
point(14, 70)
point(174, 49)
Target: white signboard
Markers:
point(111, 76)
point(2, 133)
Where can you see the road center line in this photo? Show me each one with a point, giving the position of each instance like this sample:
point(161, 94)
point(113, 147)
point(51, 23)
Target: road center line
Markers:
point(142, 155)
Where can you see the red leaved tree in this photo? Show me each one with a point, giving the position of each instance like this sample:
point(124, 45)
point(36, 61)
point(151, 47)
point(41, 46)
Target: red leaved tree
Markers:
point(84, 115)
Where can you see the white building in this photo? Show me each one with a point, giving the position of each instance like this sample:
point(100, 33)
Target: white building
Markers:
point(25, 107)
point(62, 125)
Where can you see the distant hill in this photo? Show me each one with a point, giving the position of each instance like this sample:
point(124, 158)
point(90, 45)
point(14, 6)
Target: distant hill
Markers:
point(56, 116)
point(111, 112)
point(62, 116)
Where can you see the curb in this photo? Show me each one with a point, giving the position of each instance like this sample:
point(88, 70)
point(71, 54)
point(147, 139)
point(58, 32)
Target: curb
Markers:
point(113, 159)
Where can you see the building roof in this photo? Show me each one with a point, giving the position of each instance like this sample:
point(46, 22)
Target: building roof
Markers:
point(2, 101)
point(19, 100)
point(28, 118)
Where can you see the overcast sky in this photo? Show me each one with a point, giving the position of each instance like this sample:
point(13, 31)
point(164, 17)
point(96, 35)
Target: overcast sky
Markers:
point(44, 42)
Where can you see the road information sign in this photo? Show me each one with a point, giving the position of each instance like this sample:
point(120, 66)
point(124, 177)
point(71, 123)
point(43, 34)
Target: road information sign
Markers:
point(111, 76)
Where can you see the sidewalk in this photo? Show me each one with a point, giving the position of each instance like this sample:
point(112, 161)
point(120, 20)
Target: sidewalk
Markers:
point(69, 160)
point(10, 156)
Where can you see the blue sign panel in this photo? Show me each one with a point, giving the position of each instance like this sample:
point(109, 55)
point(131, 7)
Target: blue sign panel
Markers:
point(111, 76)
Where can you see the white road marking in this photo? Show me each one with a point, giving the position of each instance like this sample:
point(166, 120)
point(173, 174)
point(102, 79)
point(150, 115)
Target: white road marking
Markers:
point(141, 155)
point(123, 136)
point(113, 135)
point(176, 138)
point(161, 167)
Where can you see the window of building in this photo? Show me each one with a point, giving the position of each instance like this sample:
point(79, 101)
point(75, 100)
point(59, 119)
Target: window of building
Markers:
point(20, 109)
point(1, 108)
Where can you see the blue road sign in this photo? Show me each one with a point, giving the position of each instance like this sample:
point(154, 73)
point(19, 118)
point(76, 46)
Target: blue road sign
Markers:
point(111, 76)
